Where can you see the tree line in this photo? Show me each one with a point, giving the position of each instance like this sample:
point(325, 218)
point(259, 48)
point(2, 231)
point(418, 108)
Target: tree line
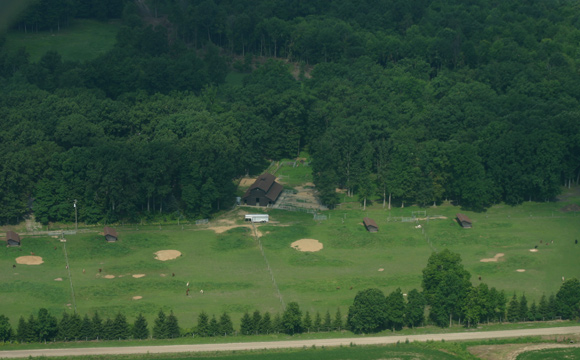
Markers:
point(448, 297)
point(418, 109)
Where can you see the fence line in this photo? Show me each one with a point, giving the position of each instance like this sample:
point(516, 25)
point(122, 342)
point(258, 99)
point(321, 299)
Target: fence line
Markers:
point(268, 266)
point(72, 290)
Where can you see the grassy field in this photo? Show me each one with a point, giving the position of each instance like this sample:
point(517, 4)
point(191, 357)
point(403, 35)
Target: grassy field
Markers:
point(224, 259)
point(83, 40)
point(551, 354)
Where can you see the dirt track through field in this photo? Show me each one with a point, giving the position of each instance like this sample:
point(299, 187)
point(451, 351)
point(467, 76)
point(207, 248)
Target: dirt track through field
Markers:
point(380, 340)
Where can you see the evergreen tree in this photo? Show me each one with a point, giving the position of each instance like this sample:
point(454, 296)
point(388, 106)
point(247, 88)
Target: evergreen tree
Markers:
point(513, 310)
point(553, 309)
point(543, 310)
point(46, 326)
point(533, 313)
point(307, 322)
point(256, 321)
point(86, 332)
point(327, 325)
point(225, 325)
point(172, 326)
point(568, 298)
point(337, 324)
point(160, 327)
point(31, 334)
point(415, 308)
point(75, 323)
point(523, 314)
point(214, 327)
point(97, 324)
point(6, 332)
point(246, 326)
point(292, 319)
point(277, 324)
point(140, 329)
point(108, 329)
point(64, 327)
point(121, 327)
point(202, 324)
point(317, 321)
point(266, 325)
point(22, 330)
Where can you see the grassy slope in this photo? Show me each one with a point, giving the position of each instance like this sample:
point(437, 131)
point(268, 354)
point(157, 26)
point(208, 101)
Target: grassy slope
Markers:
point(83, 40)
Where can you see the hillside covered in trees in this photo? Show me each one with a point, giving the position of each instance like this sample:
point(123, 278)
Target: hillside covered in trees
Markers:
point(415, 101)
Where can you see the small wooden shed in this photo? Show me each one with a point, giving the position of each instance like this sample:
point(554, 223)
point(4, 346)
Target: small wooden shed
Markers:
point(370, 224)
point(464, 221)
point(12, 238)
point(110, 234)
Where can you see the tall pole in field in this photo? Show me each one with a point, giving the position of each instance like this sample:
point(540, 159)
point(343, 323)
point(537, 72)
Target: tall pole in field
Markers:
point(76, 223)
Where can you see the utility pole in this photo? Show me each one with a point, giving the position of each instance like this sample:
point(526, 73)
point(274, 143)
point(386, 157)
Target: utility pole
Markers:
point(76, 223)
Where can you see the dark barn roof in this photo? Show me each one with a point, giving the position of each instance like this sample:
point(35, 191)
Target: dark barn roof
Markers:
point(11, 235)
point(110, 232)
point(267, 183)
point(368, 222)
point(463, 219)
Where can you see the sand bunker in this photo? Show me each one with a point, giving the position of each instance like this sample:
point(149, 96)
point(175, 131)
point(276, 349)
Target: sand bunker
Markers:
point(534, 250)
point(381, 269)
point(493, 259)
point(309, 245)
point(521, 270)
point(165, 255)
point(137, 276)
point(29, 260)
point(109, 276)
point(58, 279)
point(137, 297)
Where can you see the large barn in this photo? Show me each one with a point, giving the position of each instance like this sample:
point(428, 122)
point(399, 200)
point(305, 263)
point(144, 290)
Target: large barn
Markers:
point(110, 234)
point(12, 238)
point(263, 192)
point(464, 221)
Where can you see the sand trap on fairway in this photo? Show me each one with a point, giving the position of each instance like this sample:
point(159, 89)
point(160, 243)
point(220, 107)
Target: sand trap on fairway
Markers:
point(165, 255)
point(137, 297)
point(29, 260)
point(381, 269)
point(137, 276)
point(493, 259)
point(521, 270)
point(309, 245)
point(109, 276)
point(534, 250)
point(58, 279)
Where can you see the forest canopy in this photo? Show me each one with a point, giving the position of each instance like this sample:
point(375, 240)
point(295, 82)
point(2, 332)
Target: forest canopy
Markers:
point(415, 101)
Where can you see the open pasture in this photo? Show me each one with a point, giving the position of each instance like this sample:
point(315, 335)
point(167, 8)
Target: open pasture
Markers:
point(225, 260)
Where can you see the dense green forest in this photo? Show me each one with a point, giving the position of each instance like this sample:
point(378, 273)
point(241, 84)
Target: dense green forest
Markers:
point(415, 101)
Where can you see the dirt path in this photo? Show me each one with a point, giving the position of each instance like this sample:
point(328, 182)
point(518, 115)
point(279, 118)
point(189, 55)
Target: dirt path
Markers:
point(288, 344)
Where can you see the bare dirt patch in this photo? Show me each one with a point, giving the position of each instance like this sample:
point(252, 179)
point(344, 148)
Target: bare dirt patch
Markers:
point(246, 182)
point(109, 276)
point(58, 279)
point(521, 270)
point(137, 276)
point(493, 259)
point(165, 255)
point(308, 245)
point(29, 260)
point(224, 228)
point(381, 269)
point(571, 207)
point(534, 250)
point(138, 297)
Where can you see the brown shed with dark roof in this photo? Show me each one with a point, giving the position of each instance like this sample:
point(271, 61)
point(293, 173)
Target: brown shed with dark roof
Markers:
point(12, 239)
point(463, 220)
point(370, 224)
point(110, 234)
point(264, 191)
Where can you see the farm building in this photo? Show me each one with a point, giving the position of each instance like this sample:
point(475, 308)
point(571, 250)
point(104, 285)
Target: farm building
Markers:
point(370, 224)
point(110, 234)
point(12, 238)
point(463, 220)
point(264, 191)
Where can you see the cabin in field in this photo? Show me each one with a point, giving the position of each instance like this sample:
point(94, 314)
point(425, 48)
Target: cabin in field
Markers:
point(110, 234)
point(370, 224)
point(464, 221)
point(12, 238)
point(263, 192)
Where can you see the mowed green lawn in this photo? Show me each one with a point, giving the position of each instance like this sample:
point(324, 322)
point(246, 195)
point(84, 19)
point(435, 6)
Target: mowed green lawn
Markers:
point(231, 270)
point(83, 40)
